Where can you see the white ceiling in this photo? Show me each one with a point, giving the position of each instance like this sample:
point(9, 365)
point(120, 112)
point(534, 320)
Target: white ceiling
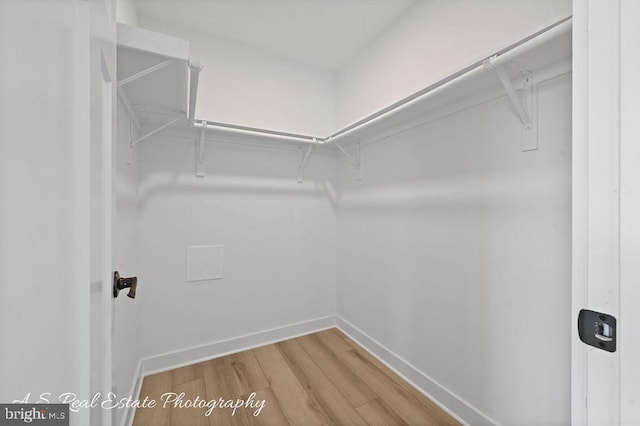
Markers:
point(322, 33)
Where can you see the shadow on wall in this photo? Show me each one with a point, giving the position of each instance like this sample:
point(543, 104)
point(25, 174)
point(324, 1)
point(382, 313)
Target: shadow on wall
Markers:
point(167, 165)
point(497, 192)
point(180, 183)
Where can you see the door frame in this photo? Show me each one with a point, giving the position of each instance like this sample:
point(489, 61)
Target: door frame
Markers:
point(629, 211)
point(101, 40)
point(606, 206)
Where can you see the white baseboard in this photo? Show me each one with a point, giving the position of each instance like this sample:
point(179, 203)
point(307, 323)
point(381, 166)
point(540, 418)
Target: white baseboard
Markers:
point(195, 354)
point(447, 400)
point(136, 384)
point(182, 357)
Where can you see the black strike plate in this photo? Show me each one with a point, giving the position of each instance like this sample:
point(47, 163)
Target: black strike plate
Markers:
point(597, 329)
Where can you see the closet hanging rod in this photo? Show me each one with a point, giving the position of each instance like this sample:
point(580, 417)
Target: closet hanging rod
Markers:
point(533, 41)
point(234, 128)
point(505, 55)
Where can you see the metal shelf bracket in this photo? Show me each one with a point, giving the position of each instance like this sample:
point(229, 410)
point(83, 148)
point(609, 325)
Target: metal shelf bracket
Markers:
point(305, 158)
point(359, 155)
point(194, 74)
point(526, 107)
point(508, 86)
point(357, 162)
point(144, 72)
point(200, 151)
point(153, 132)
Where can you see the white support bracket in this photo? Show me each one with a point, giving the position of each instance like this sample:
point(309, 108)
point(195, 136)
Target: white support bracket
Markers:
point(530, 101)
point(130, 159)
point(144, 72)
point(134, 123)
point(526, 108)
point(194, 75)
point(508, 86)
point(153, 132)
point(357, 163)
point(128, 105)
point(157, 110)
point(359, 155)
point(305, 158)
point(200, 150)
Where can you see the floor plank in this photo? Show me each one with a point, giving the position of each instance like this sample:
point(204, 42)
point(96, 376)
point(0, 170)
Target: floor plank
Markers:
point(221, 383)
point(153, 387)
point(192, 416)
point(352, 387)
point(377, 413)
point(249, 375)
point(187, 374)
point(395, 396)
point(297, 405)
point(418, 396)
point(333, 341)
point(220, 379)
point(271, 414)
point(334, 405)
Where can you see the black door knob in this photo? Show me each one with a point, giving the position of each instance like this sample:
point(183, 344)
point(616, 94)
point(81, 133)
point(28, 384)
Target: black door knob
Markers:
point(120, 283)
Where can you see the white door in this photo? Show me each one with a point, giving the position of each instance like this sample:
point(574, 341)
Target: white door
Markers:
point(606, 207)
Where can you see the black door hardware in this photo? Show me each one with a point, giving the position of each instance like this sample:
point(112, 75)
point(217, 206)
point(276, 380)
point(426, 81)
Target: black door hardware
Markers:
point(120, 283)
point(597, 329)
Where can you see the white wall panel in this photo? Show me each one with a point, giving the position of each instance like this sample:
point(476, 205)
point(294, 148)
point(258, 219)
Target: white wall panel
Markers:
point(455, 254)
point(278, 236)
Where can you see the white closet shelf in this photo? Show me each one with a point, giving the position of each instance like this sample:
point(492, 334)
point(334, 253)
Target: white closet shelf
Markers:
point(140, 49)
point(155, 75)
point(159, 84)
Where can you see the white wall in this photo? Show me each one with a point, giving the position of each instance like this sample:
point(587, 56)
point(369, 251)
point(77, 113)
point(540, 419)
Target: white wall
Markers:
point(455, 253)
point(126, 12)
point(251, 87)
point(431, 40)
point(279, 240)
point(44, 199)
point(126, 312)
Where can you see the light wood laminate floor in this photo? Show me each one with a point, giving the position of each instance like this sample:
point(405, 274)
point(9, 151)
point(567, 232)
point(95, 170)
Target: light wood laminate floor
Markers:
point(323, 378)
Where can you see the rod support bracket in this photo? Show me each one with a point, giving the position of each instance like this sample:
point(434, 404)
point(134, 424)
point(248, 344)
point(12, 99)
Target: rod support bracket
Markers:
point(194, 76)
point(305, 159)
point(519, 105)
point(195, 65)
point(200, 150)
point(526, 105)
point(359, 155)
point(357, 162)
point(153, 132)
point(144, 72)
point(488, 63)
